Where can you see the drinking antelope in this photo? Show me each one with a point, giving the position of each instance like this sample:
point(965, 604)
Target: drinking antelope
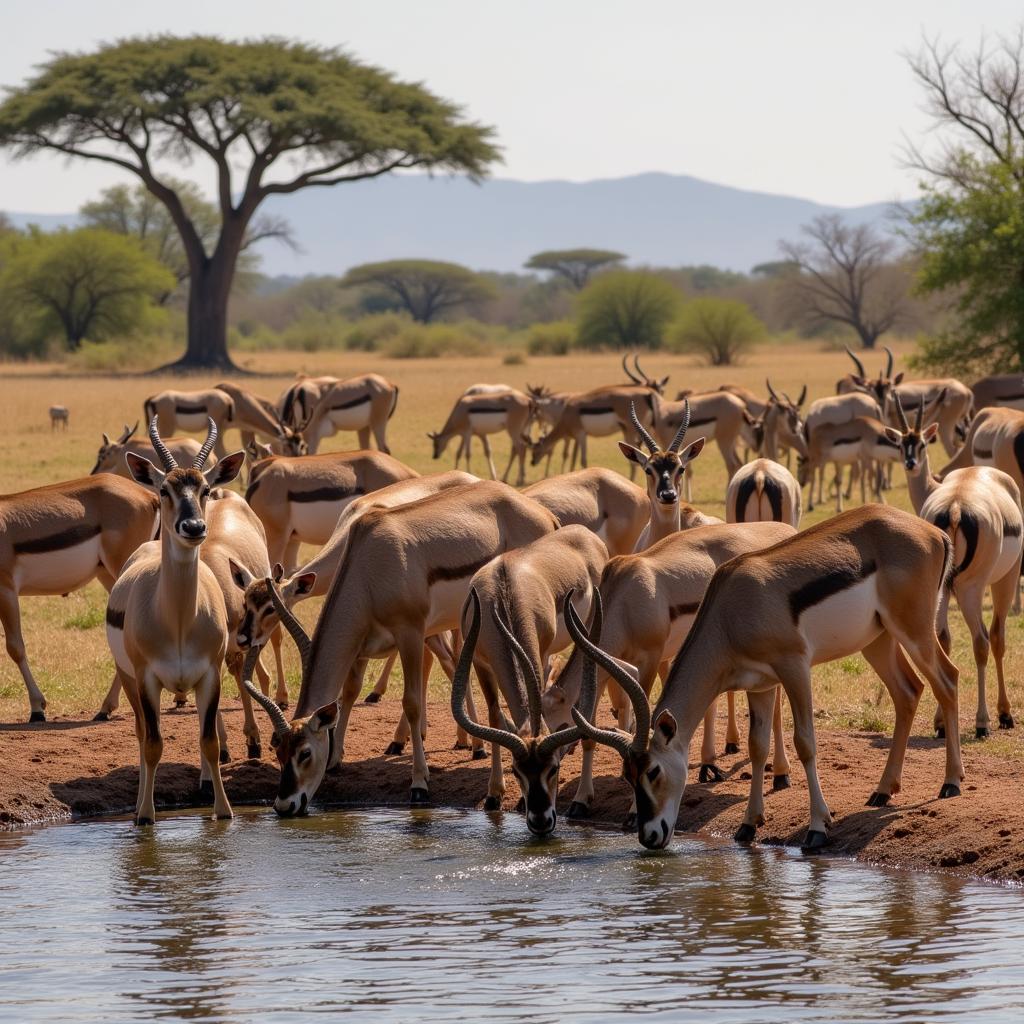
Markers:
point(404, 578)
point(110, 456)
point(482, 414)
point(166, 620)
point(870, 580)
point(56, 539)
point(59, 417)
point(763, 491)
point(979, 509)
point(191, 411)
point(363, 404)
point(523, 591)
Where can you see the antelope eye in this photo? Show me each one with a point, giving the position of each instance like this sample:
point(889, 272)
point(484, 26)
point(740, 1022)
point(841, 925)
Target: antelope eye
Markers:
point(304, 756)
point(205, 493)
point(164, 493)
point(654, 773)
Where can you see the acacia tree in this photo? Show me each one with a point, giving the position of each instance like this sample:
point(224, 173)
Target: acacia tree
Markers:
point(626, 309)
point(424, 288)
point(574, 265)
point(272, 116)
point(848, 275)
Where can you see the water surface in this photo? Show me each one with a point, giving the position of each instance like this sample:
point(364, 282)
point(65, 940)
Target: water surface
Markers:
point(439, 915)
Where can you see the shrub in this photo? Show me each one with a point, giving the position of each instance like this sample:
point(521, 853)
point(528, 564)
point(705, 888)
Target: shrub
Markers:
point(719, 329)
point(367, 334)
point(513, 358)
point(553, 339)
point(626, 309)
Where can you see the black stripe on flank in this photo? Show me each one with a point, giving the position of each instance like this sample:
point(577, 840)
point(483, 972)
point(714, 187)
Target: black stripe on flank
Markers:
point(56, 541)
point(351, 403)
point(746, 489)
point(115, 618)
point(1009, 398)
point(1011, 529)
point(701, 423)
point(981, 454)
point(191, 410)
point(678, 610)
point(596, 410)
point(455, 572)
point(324, 494)
point(846, 440)
point(817, 590)
point(486, 408)
point(773, 491)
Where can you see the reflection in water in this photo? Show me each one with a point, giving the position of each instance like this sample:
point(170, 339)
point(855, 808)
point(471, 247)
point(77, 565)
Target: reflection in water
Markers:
point(431, 915)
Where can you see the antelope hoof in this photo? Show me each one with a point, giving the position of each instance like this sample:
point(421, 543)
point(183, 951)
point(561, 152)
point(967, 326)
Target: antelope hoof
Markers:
point(940, 732)
point(479, 753)
point(418, 795)
point(103, 716)
point(37, 716)
point(780, 782)
point(710, 773)
point(254, 751)
point(372, 698)
point(144, 821)
point(629, 823)
point(1005, 720)
point(225, 756)
point(459, 745)
point(949, 789)
point(745, 833)
point(732, 748)
point(206, 789)
point(492, 803)
point(814, 841)
point(394, 748)
point(521, 805)
point(578, 809)
point(878, 799)
point(981, 732)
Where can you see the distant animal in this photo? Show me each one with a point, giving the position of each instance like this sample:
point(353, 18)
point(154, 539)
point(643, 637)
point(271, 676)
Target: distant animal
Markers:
point(110, 458)
point(364, 404)
point(59, 417)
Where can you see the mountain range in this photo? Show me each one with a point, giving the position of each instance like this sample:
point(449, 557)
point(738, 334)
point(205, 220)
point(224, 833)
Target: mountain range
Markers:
point(657, 219)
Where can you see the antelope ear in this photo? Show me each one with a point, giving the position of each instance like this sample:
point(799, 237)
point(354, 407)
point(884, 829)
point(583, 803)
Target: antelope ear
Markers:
point(143, 471)
point(241, 576)
point(278, 572)
point(106, 441)
point(931, 432)
point(226, 470)
point(666, 726)
point(303, 583)
point(893, 434)
point(663, 382)
point(692, 450)
point(899, 377)
point(324, 718)
point(633, 454)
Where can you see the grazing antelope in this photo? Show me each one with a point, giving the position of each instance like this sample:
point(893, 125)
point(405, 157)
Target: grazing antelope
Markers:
point(714, 416)
point(1006, 390)
point(167, 624)
point(56, 539)
point(523, 591)
point(254, 415)
point(191, 411)
point(664, 469)
point(600, 499)
point(763, 491)
point(979, 509)
point(870, 580)
point(363, 404)
point(649, 601)
point(296, 403)
point(59, 417)
point(405, 577)
point(599, 413)
point(482, 414)
point(548, 406)
point(834, 410)
point(637, 376)
point(110, 456)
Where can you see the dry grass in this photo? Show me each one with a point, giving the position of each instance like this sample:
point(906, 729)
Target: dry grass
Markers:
point(65, 638)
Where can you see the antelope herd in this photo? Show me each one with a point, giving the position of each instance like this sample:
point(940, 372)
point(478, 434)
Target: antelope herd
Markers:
point(496, 581)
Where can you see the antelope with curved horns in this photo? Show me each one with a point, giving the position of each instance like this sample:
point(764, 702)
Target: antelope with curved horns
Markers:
point(58, 538)
point(715, 415)
point(480, 415)
point(548, 406)
point(979, 510)
point(364, 404)
point(598, 413)
point(524, 590)
point(191, 411)
point(639, 377)
point(166, 619)
point(783, 424)
point(869, 579)
point(405, 577)
point(254, 415)
point(600, 499)
point(878, 387)
point(650, 600)
point(664, 469)
point(110, 457)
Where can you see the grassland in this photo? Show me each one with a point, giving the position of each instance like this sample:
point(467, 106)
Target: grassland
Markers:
point(65, 638)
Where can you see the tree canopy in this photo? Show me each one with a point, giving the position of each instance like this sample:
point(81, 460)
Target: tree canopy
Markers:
point(719, 329)
point(626, 309)
point(425, 289)
point(272, 117)
point(574, 265)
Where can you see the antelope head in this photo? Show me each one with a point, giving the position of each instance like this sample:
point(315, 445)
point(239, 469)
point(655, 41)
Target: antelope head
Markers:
point(654, 761)
point(637, 375)
point(789, 410)
point(536, 758)
point(259, 617)
point(912, 442)
point(183, 491)
point(439, 441)
point(106, 457)
point(663, 468)
point(879, 387)
point(292, 442)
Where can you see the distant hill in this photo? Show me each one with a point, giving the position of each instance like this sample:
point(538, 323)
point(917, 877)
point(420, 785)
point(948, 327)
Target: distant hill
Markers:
point(663, 219)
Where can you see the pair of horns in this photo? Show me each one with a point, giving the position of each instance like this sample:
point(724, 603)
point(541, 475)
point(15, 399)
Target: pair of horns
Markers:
point(639, 377)
point(648, 440)
point(887, 375)
point(164, 452)
point(786, 400)
point(902, 416)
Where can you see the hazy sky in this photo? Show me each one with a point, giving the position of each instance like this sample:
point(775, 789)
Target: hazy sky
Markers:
point(797, 97)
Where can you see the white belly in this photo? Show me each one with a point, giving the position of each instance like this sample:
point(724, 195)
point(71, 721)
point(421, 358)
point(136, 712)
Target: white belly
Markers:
point(446, 600)
point(351, 419)
point(843, 623)
point(115, 639)
point(844, 452)
point(57, 572)
point(193, 422)
point(314, 521)
point(599, 424)
point(487, 422)
point(1009, 553)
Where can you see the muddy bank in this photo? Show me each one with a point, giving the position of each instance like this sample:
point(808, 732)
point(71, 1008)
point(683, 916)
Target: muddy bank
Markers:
point(74, 768)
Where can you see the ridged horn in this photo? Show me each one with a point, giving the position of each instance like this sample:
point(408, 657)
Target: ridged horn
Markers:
point(900, 414)
point(160, 448)
point(460, 683)
point(531, 679)
point(211, 439)
point(889, 363)
point(276, 715)
point(856, 362)
point(628, 372)
point(641, 430)
point(292, 624)
point(683, 428)
point(920, 415)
